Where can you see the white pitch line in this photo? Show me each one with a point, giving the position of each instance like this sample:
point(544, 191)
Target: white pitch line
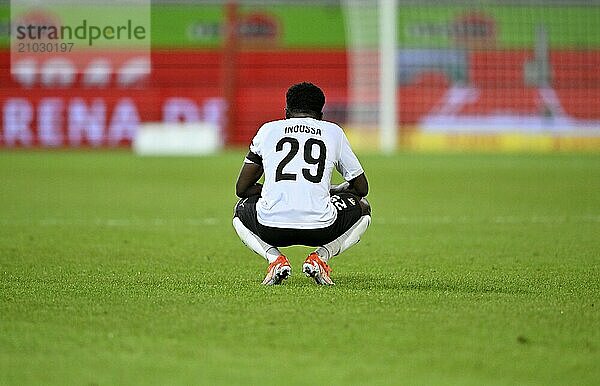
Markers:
point(214, 221)
point(403, 220)
point(113, 222)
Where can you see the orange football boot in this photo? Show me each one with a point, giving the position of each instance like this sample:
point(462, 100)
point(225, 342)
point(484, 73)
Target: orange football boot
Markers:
point(278, 271)
point(317, 269)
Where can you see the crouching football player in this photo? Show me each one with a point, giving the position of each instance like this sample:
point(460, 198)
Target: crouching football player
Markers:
point(296, 204)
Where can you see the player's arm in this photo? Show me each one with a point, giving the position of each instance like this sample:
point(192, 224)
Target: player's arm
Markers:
point(247, 183)
point(350, 168)
point(358, 186)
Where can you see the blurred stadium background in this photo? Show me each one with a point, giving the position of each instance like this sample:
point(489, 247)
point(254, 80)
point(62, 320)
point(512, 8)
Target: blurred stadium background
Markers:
point(493, 75)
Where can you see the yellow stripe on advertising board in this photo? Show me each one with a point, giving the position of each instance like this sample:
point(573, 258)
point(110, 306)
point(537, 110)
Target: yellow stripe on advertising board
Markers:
point(368, 140)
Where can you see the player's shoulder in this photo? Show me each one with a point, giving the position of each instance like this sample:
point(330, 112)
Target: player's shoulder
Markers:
point(265, 129)
point(270, 126)
point(333, 128)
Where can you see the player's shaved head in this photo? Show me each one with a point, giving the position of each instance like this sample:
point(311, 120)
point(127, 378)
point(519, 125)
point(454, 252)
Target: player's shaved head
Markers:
point(304, 99)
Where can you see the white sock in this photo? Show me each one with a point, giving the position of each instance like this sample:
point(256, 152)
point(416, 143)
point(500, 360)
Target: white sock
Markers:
point(323, 253)
point(348, 239)
point(252, 241)
point(272, 254)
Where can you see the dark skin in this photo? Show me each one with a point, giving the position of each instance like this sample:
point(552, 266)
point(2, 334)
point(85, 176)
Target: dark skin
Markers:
point(247, 183)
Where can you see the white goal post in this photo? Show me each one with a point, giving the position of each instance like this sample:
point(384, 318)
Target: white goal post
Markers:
point(387, 76)
point(371, 44)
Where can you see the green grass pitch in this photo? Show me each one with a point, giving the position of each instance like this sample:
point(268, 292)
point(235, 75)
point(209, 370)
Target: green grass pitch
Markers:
point(477, 269)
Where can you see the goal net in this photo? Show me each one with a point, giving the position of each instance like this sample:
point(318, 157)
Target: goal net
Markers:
point(440, 74)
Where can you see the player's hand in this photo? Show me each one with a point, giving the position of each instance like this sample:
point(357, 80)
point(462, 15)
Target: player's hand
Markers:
point(335, 189)
point(255, 190)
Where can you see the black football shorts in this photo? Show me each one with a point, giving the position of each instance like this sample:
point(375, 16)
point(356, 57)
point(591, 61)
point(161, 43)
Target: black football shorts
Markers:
point(348, 213)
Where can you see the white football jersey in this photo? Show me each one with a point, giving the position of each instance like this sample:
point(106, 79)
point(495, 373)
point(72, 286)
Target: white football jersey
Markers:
point(298, 156)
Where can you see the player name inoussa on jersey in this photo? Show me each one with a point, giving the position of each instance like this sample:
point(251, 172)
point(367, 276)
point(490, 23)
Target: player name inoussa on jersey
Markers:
point(302, 129)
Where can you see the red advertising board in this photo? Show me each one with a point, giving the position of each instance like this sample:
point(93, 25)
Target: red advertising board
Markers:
point(103, 105)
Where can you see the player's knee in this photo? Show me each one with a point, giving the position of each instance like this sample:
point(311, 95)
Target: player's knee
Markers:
point(365, 206)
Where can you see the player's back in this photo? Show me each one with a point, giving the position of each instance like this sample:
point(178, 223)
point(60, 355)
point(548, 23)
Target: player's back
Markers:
point(298, 157)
